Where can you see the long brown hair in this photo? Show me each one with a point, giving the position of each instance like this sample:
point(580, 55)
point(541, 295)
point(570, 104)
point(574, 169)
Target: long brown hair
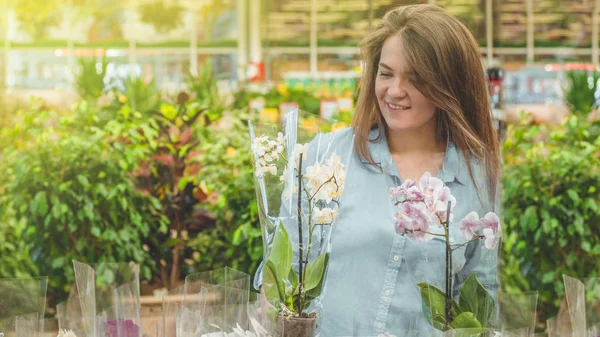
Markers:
point(447, 69)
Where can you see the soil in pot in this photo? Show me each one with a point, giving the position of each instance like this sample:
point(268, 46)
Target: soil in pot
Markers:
point(288, 326)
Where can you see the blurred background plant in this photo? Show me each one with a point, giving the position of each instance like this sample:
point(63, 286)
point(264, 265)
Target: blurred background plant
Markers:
point(70, 188)
point(580, 91)
point(551, 208)
point(90, 78)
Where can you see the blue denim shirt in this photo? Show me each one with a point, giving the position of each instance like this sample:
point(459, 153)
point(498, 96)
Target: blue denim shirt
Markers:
point(373, 273)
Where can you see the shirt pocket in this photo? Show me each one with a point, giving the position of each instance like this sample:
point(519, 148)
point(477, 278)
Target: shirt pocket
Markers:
point(426, 262)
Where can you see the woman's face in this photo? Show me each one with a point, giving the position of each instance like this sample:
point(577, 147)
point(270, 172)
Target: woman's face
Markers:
point(403, 107)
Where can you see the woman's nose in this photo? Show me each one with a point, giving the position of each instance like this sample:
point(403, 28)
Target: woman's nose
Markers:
point(397, 89)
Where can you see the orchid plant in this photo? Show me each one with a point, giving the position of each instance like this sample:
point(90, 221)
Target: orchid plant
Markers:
point(317, 189)
point(429, 203)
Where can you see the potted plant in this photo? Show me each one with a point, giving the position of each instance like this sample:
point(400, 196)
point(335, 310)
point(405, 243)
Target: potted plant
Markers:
point(303, 202)
point(425, 211)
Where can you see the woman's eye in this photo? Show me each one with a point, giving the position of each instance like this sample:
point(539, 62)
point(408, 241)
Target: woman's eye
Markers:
point(383, 74)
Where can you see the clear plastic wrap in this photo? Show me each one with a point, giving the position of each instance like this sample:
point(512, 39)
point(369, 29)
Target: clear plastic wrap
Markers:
point(452, 240)
point(577, 315)
point(108, 296)
point(300, 175)
point(25, 300)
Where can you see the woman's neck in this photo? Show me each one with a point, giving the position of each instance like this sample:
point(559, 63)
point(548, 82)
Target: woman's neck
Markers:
point(416, 152)
point(414, 142)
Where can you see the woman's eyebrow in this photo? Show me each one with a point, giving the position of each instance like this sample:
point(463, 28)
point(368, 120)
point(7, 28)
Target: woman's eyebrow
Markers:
point(383, 65)
point(405, 73)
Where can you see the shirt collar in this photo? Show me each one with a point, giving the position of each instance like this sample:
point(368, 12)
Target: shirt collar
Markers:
point(453, 169)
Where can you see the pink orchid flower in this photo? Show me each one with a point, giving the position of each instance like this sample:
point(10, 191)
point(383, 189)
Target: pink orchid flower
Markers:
point(469, 225)
point(491, 221)
point(430, 186)
point(490, 238)
point(412, 217)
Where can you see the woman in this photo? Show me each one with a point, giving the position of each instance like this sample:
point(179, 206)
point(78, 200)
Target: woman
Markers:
point(423, 107)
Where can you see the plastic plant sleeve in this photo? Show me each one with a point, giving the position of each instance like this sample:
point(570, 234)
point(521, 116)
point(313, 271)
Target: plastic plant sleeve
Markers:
point(269, 189)
point(219, 297)
point(470, 296)
point(70, 317)
point(592, 297)
point(28, 325)
point(191, 317)
point(100, 306)
point(127, 306)
point(518, 313)
point(228, 311)
point(575, 295)
point(283, 217)
point(86, 288)
point(452, 257)
point(523, 332)
point(226, 277)
point(259, 309)
point(576, 314)
point(20, 297)
point(171, 306)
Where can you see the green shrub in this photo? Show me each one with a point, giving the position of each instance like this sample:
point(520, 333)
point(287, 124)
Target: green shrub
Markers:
point(165, 148)
point(552, 211)
point(70, 189)
point(15, 259)
point(227, 179)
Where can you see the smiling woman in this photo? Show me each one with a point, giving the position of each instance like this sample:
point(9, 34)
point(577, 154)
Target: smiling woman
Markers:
point(423, 59)
point(423, 107)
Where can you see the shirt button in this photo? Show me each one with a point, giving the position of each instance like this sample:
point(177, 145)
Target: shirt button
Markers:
point(379, 326)
point(396, 258)
point(387, 293)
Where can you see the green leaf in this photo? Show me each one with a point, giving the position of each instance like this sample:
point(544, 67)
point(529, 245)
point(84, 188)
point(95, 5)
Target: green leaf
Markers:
point(586, 246)
point(439, 322)
point(548, 277)
point(168, 111)
point(39, 205)
point(272, 285)
point(474, 298)
point(146, 272)
point(593, 205)
point(109, 276)
point(281, 252)
point(293, 278)
point(466, 320)
point(433, 302)
point(573, 195)
point(95, 231)
point(83, 180)
point(315, 273)
point(58, 262)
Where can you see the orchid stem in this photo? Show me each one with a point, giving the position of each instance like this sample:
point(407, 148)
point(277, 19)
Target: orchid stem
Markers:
point(300, 256)
point(448, 270)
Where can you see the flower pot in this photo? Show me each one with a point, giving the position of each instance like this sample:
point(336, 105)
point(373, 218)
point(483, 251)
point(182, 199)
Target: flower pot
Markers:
point(295, 326)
